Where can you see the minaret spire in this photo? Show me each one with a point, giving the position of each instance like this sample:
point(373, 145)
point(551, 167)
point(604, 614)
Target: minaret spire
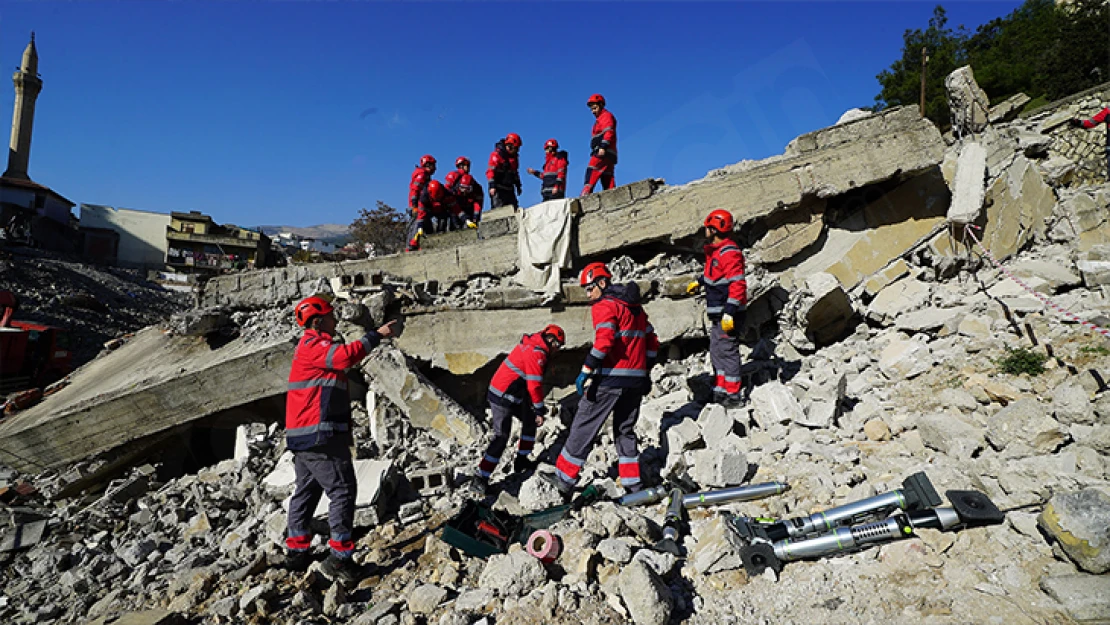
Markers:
point(27, 88)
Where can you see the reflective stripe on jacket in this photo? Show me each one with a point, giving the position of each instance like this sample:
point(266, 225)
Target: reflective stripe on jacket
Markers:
point(521, 373)
point(420, 180)
point(726, 289)
point(605, 135)
point(317, 404)
point(503, 171)
point(625, 344)
point(555, 174)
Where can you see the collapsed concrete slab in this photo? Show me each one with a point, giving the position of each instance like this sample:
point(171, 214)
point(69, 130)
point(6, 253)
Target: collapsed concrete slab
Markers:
point(150, 385)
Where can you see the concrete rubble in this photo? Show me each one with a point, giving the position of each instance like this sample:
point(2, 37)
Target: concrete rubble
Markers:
point(872, 351)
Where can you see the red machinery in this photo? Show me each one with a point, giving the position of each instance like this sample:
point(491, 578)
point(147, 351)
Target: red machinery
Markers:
point(32, 355)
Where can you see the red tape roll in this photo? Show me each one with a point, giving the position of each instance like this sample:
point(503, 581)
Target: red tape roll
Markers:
point(544, 545)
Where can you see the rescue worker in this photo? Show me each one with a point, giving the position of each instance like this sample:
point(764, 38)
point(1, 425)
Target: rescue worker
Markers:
point(1101, 117)
point(503, 172)
point(603, 147)
point(517, 390)
point(726, 300)
point(438, 208)
point(554, 174)
point(613, 379)
point(318, 432)
point(421, 176)
point(468, 193)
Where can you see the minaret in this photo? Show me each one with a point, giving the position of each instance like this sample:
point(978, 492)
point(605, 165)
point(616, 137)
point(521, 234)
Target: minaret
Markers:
point(27, 88)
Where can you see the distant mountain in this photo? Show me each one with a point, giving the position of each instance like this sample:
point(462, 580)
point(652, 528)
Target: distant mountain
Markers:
point(332, 233)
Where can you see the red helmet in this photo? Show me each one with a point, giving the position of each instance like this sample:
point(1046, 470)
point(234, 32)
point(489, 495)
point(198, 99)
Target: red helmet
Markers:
point(551, 143)
point(720, 220)
point(594, 272)
point(310, 307)
point(436, 190)
point(596, 98)
point(427, 159)
point(556, 333)
point(513, 139)
point(462, 160)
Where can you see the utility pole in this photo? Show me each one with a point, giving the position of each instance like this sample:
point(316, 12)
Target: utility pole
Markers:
point(924, 60)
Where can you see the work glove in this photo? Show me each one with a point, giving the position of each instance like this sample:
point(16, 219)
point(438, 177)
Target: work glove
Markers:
point(1076, 122)
point(583, 380)
point(471, 225)
point(727, 323)
point(693, 287)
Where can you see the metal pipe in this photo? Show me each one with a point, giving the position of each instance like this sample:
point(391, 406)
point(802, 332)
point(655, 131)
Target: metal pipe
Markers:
point(707, 498)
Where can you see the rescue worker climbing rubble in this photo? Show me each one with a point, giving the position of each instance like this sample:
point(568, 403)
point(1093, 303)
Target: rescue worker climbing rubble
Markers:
point(1101, 117)
point(603, 147)
point(421, 176)
point(517, 390)
point(503, 172)
point(318, 432)
point(726, 299)
point(614, 378)
point(468, 193)
point(554, 174)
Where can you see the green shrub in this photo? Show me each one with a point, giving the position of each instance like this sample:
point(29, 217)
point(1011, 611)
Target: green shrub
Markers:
point(1021, 360)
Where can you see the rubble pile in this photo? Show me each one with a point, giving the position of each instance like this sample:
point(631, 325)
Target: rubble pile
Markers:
point(94, 303)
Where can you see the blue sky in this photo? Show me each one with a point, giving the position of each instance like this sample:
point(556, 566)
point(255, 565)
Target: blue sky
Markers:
point(300, 113)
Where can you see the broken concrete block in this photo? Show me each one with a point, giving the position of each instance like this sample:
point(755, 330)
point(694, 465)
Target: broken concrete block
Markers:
point(950, 434)
point(22, 535)
point(146, 617)
point(715, 423)
point(830, 310)
point(930, 319)
point(199, 321)
point(513, 574)
point(1085, 597)
point(425, 598)
point(1024, 421)
point(897, 299)
point(429, 482)
point(1095, 273)
point(1072, 404)
point(714, 552)
point(1053, 274)
point(1080, 522)
point(894, 271)
point(971, 176)
point(774, 403)
point(968, 102)
point(1008, 109)
point(723, 464)
point(905, 359)
point(648, 599)
point(1019, 205)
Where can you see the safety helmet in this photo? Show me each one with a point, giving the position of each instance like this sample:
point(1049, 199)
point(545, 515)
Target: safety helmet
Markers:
point(720, 220)
point(310, 307)
point(551, 143)
point(462, 160)
point(427, 159)
point(594, 272)
point(556, 333)
point(596, 98)
point(513, 139)
point(435, 190)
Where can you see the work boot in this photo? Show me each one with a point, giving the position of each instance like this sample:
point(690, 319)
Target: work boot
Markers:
point(297, 560)
point(523, 464)
point(566, 489)
point(732, 400)
point(342, 571)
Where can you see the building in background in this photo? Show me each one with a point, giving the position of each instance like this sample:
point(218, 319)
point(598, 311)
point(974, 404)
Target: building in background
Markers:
point(142, 235)
point(198, 245)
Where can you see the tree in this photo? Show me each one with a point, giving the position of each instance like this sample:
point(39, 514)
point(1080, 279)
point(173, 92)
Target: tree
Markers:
point(901, 83)
point(384, 228)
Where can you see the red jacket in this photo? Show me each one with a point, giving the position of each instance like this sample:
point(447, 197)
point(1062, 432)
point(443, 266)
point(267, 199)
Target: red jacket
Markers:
point(317, 404)
point(625, 344)
point(1100, 117)
point(605, 135)
point(520, 373)
point(420, 180)
point(503, 170)
point(439, 205)
point(726, 288)
point(468, 193)
point(554, 175)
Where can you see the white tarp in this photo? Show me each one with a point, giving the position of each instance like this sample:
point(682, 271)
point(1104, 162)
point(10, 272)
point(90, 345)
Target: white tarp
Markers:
point(543, 241)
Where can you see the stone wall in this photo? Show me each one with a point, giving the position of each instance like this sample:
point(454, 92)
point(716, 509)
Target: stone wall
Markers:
point(1086, 148)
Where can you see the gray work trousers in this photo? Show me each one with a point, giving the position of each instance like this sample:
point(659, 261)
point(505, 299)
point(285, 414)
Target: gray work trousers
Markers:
point(593, 409)
point(724, 353)
point(326, 469)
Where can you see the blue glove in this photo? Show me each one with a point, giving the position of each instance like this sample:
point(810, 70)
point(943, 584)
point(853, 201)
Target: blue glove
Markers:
point(582, 381)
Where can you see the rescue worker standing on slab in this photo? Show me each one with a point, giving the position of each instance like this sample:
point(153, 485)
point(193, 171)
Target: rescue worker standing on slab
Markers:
point(503, 172)
point(613, 379)
point(1101, 117)
point(468, 193)
point(517, 390)
point(554, 174)
point(603, 147)
point(421, 176)
point(726, 300)
point(318, 432)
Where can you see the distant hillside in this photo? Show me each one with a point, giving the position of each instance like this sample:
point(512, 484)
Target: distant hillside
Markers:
point(332, 233)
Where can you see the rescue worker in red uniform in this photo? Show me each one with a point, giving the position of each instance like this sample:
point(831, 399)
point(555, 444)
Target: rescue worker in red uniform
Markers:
point(554, 174)
point(1101, 117)
point(421, 176)
point(517, 390)
point(503, 172)
point(434, 210)
point(726, 301)
point(468, 193)
point(613, 379)
point(318, 432)
point(603, 147)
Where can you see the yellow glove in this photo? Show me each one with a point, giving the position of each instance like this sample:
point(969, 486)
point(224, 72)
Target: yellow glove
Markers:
point(693, 287)
point(471, 225)
point(727, 323)
point(419, 233)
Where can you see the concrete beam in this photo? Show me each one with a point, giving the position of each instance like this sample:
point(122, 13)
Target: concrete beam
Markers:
point(153, 383)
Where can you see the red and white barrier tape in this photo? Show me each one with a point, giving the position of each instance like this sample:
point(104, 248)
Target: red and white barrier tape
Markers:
point(968, 229)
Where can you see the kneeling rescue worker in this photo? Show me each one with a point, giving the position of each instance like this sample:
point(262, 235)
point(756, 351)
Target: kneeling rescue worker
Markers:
point(318, 432)
point(517, 390)
point(726, 300)
point(613, 380)
point(468, 193)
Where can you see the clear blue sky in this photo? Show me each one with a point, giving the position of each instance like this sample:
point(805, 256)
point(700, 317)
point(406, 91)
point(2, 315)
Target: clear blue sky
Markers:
point(300, 113)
